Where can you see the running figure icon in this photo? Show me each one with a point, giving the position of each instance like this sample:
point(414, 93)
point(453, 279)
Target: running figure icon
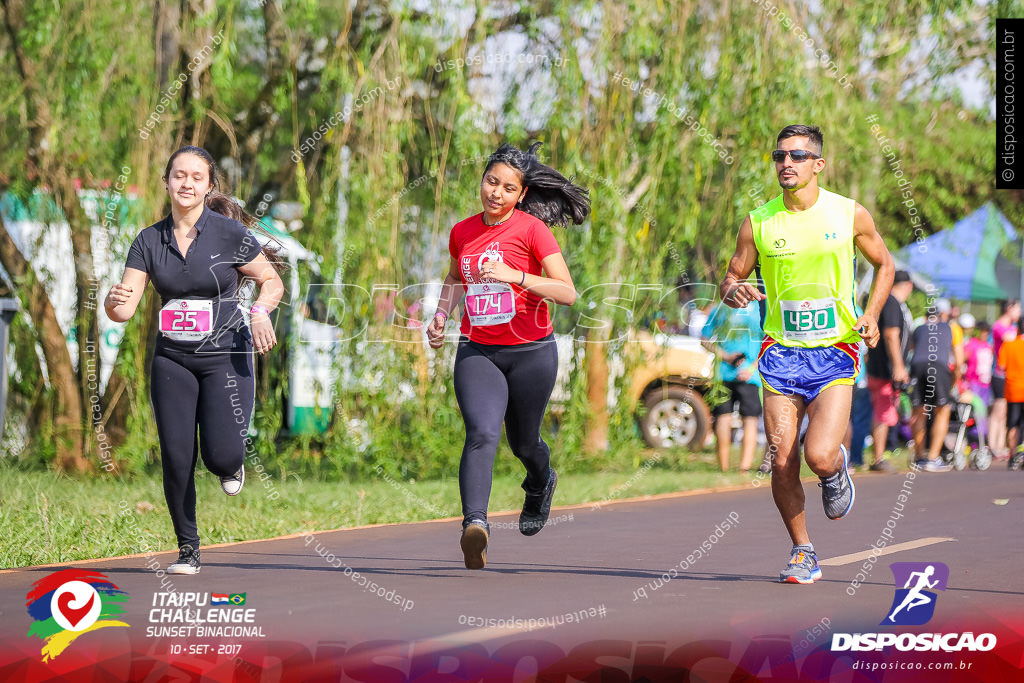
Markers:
point(916, 597)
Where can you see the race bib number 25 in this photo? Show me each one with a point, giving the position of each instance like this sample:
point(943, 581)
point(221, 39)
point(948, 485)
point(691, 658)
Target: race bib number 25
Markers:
point(187, 319)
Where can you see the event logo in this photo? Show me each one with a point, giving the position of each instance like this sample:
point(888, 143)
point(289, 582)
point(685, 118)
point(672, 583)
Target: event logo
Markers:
point(914, 603)
point(70, 603)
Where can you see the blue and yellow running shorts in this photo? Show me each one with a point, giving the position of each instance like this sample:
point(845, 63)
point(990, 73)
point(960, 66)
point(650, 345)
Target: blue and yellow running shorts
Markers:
point(806, 372)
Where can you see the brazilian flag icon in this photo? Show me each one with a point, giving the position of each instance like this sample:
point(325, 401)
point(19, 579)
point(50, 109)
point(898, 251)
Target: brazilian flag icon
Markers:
point(237, 598)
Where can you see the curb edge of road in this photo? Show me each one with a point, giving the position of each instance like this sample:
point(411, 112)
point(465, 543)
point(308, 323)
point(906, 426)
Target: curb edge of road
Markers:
point(575, 506)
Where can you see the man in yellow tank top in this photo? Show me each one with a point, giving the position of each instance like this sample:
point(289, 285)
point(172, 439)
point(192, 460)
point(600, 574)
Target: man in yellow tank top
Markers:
point(802, 242)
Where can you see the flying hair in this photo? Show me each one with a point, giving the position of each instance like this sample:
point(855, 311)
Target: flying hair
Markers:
point(552, 197)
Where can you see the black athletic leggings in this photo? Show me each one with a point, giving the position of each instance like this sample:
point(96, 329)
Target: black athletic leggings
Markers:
point(510, 384)
point(214, 392)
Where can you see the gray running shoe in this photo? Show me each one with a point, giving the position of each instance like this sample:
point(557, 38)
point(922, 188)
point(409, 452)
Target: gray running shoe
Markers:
point(837, 492)
point(537, 506)
point(474, 544)
point(802, 568)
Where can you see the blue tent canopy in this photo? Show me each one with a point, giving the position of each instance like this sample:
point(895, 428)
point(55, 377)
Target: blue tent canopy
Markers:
point(978, 259)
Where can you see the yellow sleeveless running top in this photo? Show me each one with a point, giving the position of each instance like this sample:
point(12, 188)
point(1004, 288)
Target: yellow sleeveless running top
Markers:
point(807, 262)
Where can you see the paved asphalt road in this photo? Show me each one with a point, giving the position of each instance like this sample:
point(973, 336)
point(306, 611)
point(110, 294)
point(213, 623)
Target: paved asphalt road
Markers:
point(674, 588)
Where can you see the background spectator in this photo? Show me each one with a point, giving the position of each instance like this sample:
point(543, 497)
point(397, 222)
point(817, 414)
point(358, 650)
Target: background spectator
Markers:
point(935, 367)
point(1010, 361)
point(738, 335)
point(978, 362)
point(1004, 329)
point(886, 366)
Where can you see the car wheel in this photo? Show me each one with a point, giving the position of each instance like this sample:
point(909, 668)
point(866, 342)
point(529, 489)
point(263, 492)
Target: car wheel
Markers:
point(674, 416)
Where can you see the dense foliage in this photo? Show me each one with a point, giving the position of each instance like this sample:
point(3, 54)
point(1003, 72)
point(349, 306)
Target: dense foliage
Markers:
point(375, 119)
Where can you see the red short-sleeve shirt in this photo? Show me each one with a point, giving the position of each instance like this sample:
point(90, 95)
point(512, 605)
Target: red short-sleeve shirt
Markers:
point(521, 242)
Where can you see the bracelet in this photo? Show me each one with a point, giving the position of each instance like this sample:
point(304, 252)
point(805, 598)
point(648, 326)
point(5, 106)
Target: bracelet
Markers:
point(442, 314)
point(523, 281)
point(259, 310)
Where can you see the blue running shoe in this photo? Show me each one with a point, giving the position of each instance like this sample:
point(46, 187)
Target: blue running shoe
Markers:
point(802, 568)
point(837, 491)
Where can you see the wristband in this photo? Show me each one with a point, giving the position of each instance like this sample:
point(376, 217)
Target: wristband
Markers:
point(523, 281)
point(442, 314)
point(259, 310)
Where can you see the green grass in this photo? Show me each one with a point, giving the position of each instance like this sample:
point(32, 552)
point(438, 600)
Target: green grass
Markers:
point(50, 518)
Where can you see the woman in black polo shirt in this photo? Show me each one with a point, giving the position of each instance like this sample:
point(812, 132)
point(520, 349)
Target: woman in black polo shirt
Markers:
point(202, 371)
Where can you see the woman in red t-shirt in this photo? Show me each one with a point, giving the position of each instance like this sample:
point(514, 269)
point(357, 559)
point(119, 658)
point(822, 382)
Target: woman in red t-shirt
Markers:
point(507, 263)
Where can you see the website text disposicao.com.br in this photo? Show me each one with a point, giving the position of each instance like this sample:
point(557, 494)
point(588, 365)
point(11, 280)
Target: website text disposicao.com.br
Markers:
point(960, 665)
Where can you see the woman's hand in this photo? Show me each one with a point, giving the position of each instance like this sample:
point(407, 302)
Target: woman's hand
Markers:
point(500, 271)
point(263, 336)
point(118, 294)
point(435, 330)
point(123, 298)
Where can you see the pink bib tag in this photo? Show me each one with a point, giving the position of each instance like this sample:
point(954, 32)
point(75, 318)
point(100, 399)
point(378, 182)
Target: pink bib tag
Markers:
point(490, 303)
point(187, 319)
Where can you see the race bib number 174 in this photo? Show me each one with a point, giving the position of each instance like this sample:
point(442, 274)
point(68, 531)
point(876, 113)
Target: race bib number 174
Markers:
point(490, 303)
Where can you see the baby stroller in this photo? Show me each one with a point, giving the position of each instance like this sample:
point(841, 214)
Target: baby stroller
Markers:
point(965, 442)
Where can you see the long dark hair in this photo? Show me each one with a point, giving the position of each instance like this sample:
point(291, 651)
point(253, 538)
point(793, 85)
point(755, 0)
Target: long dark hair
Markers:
point(225, 205)
point(552, 197)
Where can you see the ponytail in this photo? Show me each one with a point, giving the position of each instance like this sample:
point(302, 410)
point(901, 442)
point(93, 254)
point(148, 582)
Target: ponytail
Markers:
point(226, 206)
point(551, 196)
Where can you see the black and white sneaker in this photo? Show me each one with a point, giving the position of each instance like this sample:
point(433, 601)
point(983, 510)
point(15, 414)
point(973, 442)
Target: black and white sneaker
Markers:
point(188, 561)
point(233, 485)
point(537, 506)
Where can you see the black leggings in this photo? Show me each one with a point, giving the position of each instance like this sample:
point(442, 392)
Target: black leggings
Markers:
point(503, 383)
point(214, 392)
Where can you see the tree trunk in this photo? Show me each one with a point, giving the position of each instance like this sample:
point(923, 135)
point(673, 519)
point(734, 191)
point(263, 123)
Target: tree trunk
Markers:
point(67, 406)
point(167, 35)
point(69, 396)
point(596, 364)
point(196, 42)
point(88, 298)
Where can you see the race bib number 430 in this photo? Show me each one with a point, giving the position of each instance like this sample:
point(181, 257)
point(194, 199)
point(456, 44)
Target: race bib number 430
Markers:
point(809, 320)
point(490, 303)
point(187, 319)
